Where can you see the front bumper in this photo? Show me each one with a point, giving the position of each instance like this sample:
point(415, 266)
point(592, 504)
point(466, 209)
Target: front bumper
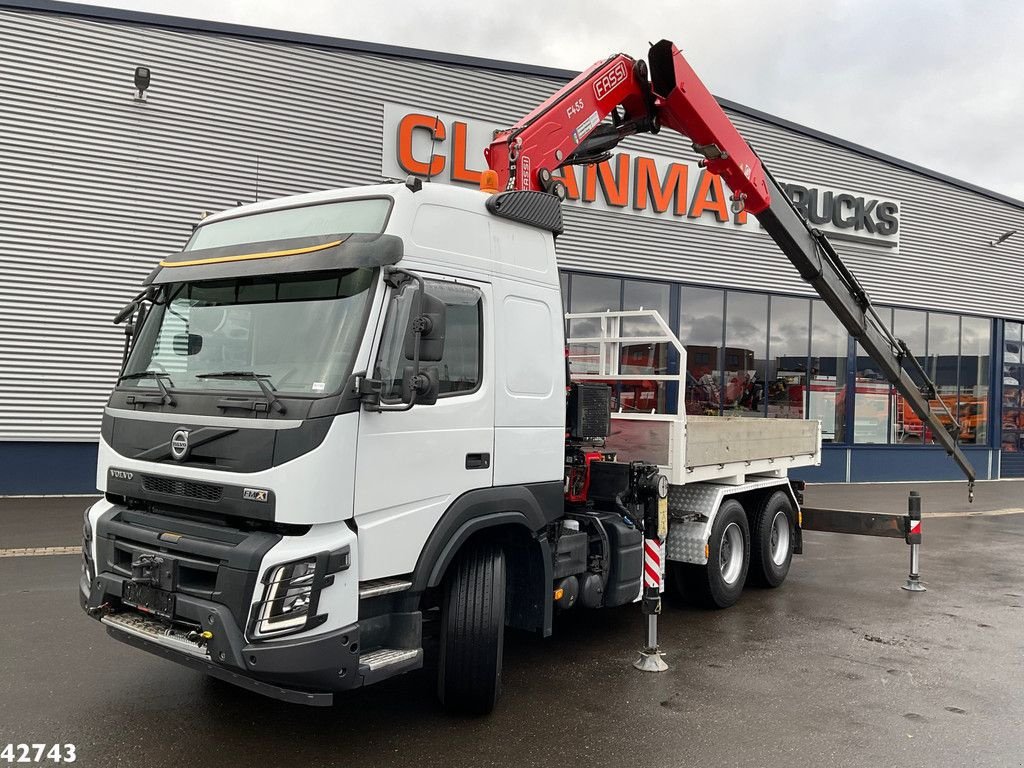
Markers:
point(214, 573)
point(302, 671)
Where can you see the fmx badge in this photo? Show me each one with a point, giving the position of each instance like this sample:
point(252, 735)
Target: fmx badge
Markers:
point(256, 494)
point(179, 444)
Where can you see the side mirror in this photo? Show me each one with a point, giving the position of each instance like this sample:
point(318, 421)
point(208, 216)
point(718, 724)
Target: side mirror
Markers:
point(423, 385)
point(187, 344)
point(431, 322)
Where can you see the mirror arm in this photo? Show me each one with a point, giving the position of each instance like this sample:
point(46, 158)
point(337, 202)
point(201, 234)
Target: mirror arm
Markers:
point(415, 312)
point(128, 313)
point(375, 406)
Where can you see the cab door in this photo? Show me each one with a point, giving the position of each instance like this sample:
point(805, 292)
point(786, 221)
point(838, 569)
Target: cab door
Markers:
point(411, 465)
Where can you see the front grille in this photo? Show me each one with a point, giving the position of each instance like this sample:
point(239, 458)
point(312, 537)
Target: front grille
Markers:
point(174, 487)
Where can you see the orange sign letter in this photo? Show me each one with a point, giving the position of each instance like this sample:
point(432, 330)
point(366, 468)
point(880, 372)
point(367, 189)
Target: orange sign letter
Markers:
point(411, 123)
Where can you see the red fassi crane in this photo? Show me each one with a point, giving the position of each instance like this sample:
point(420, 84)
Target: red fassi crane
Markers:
point(570, 129)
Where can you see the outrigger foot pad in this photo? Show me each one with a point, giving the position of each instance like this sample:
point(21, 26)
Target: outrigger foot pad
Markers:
point(650, 660)
point(914, 585)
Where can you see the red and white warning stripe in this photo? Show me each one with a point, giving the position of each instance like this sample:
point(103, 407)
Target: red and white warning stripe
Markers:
point(915, 527)
point(652, 563)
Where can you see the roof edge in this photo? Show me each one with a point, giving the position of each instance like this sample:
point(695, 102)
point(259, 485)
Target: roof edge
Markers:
point(106, 13)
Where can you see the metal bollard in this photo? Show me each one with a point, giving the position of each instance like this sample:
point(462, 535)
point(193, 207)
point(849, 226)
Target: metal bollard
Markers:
point(913, 538)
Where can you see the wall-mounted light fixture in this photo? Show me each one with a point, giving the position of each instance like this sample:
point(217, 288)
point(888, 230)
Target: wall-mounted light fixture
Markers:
point(142, 78)
point(1003, 237)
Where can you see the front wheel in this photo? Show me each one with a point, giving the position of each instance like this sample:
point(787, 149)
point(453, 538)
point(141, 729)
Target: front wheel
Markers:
point(473, 632)
point(718, 584)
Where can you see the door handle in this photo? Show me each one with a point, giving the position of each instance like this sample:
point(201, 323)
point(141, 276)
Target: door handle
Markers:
point(478, 460)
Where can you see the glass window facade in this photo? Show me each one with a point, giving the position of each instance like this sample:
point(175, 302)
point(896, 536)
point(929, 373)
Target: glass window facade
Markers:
point(973, 408)
point(746, 350)
point(826, 399)
point(759, 355)
point(1012, 428)
point(702, 329)
point(941, 363)
point(789, 346)
point(587, 293)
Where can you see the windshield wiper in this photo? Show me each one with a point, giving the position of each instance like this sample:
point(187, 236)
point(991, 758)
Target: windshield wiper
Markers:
point(261, 379)
point(158, 377)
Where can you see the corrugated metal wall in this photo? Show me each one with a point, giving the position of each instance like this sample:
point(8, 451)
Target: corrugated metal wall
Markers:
point(95, 187)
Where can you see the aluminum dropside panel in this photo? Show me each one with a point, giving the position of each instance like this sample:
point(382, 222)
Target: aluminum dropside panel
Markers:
point(723, 440)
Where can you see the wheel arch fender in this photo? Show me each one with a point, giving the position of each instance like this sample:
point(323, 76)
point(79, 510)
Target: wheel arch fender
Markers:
point(517, 516)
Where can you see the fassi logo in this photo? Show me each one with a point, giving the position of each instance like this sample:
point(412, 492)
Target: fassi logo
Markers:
point(610, 80)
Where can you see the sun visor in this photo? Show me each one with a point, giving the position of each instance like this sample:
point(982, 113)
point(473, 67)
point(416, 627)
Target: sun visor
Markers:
point(272, 257)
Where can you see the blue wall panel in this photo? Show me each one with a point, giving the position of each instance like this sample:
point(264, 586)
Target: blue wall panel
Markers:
point(832, 469)
point(903, 463)
point(47, 468)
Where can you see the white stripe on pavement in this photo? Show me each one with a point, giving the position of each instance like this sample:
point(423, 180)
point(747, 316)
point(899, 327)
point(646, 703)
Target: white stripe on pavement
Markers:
point(988, 513)
point(37, 551)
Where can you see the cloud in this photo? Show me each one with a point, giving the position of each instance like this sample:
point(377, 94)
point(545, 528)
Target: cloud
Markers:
point(936, 84)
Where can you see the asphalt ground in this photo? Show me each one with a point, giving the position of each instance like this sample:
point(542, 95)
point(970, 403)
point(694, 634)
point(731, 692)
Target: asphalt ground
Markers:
point(838, 667)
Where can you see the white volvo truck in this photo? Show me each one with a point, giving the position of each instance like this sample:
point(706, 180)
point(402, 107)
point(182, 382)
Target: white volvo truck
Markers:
point(346, 414)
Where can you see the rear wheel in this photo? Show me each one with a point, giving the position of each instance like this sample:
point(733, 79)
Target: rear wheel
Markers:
point(718, 584)
point(771, 534)
point(473, 632)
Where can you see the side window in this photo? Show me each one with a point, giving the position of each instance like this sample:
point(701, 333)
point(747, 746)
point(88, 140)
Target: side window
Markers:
point(460, 368)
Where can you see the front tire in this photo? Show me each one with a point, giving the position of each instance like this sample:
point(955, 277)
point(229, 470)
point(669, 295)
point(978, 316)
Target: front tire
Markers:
point(718, 584)
point(771, 550)
point(473, 632)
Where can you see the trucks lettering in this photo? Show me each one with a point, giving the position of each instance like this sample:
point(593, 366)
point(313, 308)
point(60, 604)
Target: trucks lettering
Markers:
point(845, 211)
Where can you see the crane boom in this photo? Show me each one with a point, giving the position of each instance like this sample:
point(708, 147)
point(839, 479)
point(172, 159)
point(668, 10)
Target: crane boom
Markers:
point(570, 128)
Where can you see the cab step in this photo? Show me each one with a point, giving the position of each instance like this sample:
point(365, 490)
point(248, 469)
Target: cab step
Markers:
point(387, 662)
point(385, 657)
point(379, 587)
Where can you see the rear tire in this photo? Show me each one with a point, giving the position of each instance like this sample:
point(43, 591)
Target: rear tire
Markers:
point(718, 584)
point(771, 536)
point(473, 632)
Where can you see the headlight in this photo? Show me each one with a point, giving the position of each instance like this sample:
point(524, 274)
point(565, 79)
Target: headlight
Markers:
point(289, 598)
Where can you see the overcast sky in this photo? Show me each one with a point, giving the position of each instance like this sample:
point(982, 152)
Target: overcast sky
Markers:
point(939, 83)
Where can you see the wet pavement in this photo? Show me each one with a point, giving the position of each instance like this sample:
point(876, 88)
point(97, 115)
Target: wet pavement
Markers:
point(838, 667)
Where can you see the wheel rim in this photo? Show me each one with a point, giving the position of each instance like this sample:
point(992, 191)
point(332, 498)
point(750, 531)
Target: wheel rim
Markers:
point(779, 542)
point(730, 553)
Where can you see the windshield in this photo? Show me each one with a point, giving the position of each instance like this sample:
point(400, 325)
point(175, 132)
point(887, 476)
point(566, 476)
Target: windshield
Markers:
point(298, 333)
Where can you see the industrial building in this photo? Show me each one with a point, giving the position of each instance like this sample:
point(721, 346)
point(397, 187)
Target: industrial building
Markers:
point(100, 178)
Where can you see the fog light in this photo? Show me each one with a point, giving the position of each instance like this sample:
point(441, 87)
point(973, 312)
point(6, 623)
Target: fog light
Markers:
point(288, 598)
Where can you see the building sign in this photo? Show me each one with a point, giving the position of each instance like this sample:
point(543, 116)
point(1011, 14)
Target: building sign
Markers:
point(450, 148)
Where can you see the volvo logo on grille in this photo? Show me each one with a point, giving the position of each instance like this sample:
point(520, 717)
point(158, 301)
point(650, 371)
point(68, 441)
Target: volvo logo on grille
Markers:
point(179, 444)
point(120, 474)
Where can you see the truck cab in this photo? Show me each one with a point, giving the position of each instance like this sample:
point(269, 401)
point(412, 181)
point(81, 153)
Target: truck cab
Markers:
point(327, 399)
